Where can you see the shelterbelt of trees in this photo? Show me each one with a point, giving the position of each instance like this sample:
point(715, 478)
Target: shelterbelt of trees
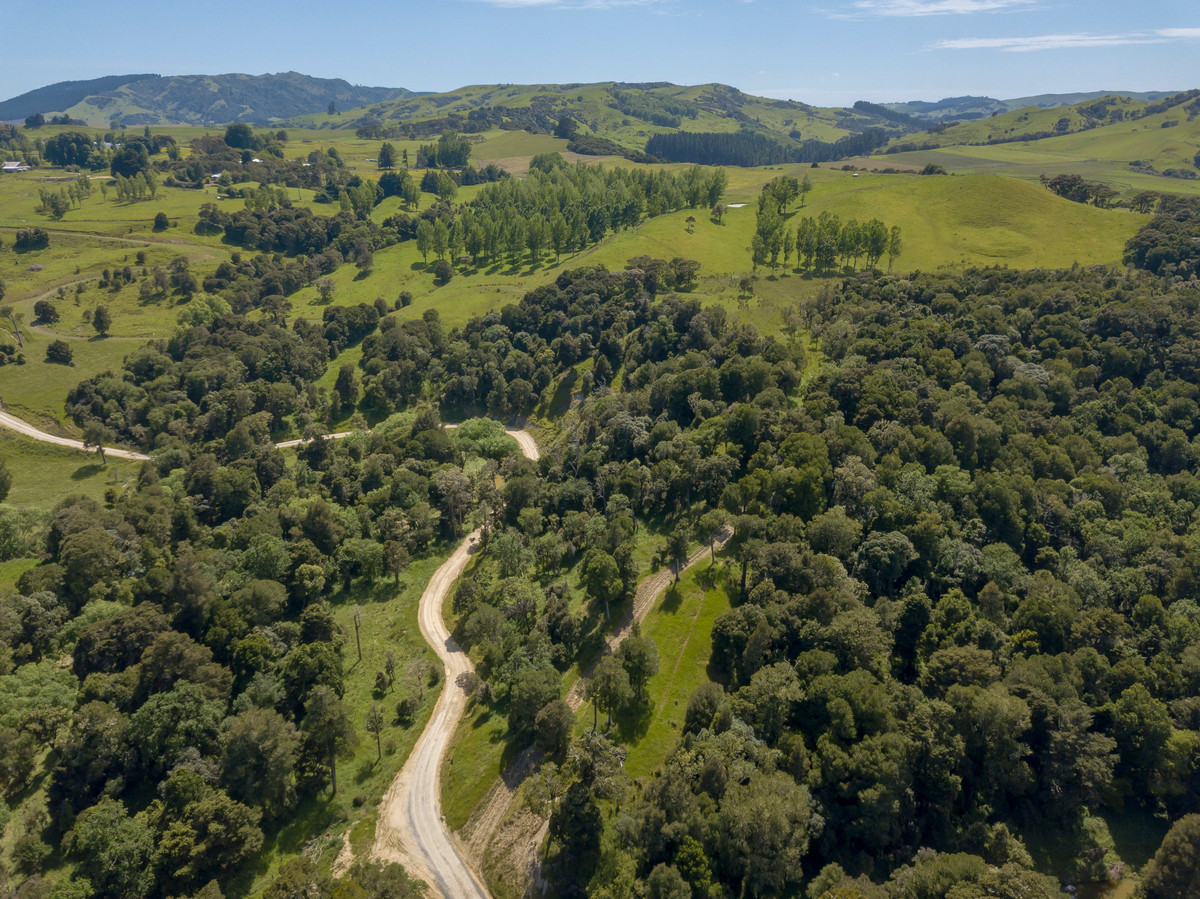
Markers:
point(558, 208)
point(964, 566)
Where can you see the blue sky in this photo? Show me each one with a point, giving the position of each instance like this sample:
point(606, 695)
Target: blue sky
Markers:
point(825, 52)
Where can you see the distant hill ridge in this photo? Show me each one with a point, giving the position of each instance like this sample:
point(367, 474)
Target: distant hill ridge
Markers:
point(194, 99)
point(967, 108)
point(714, 122)
point(62, 95)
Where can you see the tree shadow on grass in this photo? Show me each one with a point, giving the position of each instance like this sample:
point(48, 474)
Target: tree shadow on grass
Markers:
point(708, 576)
point(367, 592)
point(91, 470)
point(714, 673)
point(153, 299)
point(633, 722)
point(672, 599)
point(312, 815)
point(287, 836)
point(1137, 833)
point(366, 768)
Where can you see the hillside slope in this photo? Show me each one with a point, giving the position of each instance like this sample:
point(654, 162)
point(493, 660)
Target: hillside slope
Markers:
point(196, 99)
point(627, 114)
point(61, 95)
point(1129, 145)
point(1106, 115)
point(968, 108)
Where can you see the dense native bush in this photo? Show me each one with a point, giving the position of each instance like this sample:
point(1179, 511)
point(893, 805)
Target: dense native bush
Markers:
point(964, 564)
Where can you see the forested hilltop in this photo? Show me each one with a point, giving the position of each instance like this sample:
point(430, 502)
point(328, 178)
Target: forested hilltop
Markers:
point(963, 647)
point(193, 99)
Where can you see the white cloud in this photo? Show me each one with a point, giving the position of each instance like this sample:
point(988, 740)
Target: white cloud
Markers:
point(1032, 43)
point(863, 9)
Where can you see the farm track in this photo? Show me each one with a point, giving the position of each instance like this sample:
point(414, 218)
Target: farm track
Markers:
point(485, 822)
point(22, 427)
point(411, 828)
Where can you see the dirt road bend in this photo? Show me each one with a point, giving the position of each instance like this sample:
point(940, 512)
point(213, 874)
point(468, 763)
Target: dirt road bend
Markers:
point(23, 427)
point(524, 440)
point(411, 829)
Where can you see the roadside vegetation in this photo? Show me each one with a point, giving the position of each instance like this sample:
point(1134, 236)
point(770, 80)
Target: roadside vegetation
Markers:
point(953, 438)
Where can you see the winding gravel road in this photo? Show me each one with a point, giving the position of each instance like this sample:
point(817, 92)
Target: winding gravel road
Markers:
point(23, 427)
point(410, 829)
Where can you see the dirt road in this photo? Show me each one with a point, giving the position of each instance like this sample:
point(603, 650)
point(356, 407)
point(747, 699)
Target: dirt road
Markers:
point(22, 427)
point(479, 831)
point(302, 440)
point(411, 829)
point(528, 445)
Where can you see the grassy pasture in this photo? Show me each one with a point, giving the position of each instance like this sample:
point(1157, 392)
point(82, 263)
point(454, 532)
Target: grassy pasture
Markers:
point(973, 220)
point(11, 571)
point(43, 474)
point(1165, 140)
point(970, 219)
point(37, 390)
point(481, 749)
point(387, 623)
point(681, 627)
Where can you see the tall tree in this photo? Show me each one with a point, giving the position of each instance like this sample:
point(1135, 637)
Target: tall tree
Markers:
point(328, 727)
point(94, 435)
point(895, 245)
point(374, 725)
point(15, 319)
point(608, 689)
point(1175, 868)
point(258, 760)
point(638, 655)
point(101, 320)
point(387, 156)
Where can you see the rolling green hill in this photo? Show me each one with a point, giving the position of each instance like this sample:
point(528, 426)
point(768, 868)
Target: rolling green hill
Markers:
point(194, 99)
point(1129, 145)
point(62, 95)
point(965, 108)
point(1107, 116)
point(626, 114)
